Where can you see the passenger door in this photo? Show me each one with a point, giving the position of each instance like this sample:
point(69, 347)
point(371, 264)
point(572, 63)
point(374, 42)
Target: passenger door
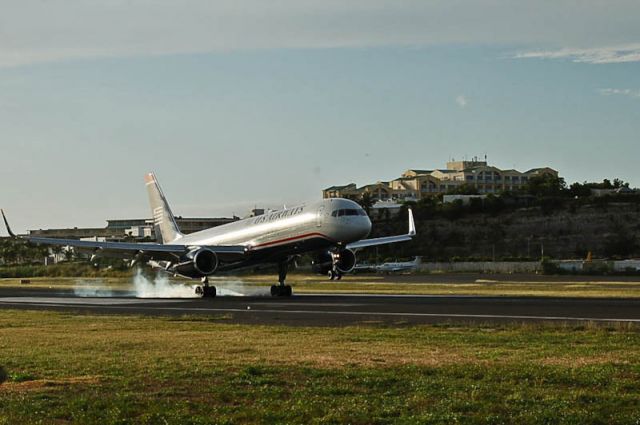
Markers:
point(320, 216)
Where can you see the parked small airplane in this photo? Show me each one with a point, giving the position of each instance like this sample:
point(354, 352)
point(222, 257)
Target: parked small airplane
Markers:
point(399, 267)
point(332, 229)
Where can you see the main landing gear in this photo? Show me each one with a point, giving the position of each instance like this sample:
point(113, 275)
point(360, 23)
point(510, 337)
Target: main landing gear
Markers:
point(281, 290)
point(335, 274)
point(206, 291)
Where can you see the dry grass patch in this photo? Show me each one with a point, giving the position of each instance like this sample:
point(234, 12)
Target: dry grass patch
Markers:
point(46, 385)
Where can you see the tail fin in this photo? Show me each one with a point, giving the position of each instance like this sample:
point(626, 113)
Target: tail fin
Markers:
point(165, 224)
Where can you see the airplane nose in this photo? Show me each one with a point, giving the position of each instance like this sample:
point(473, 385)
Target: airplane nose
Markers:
point(366, 227)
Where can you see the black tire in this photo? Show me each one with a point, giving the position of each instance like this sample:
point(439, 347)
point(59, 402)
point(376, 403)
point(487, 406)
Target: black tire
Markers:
point(209, 291)
point(274, 291)
point(288, 291)
point(199, 291)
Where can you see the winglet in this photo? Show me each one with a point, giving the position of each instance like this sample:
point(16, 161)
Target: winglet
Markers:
point(6, 223)
point(412, 224)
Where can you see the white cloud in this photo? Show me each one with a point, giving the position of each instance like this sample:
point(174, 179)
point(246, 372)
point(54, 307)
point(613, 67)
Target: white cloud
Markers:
point(33, 31)
point(462, 101)
point(600, 55)
point(620, 92)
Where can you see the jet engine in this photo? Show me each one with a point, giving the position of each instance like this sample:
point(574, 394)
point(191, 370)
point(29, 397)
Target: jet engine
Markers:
point(198, 263)
point(342, 261)
point(345, 260)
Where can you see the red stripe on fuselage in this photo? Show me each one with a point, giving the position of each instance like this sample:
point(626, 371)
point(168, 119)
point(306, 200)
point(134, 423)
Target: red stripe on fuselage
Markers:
point(262, 245)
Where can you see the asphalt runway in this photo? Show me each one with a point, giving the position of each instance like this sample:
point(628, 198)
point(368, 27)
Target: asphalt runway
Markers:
point(336, 310)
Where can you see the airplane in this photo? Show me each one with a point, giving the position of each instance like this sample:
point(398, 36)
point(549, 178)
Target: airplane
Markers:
point(332, 229)
point(404, 266)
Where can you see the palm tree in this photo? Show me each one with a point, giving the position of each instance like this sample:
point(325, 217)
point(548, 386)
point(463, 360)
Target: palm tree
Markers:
point(56, 250)
point(366, 201)
point(68, 254)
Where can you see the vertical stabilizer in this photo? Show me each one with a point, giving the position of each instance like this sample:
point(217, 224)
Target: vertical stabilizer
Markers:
point(163, 221)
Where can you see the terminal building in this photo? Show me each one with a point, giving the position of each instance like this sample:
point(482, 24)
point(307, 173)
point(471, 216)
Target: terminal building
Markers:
point(130, 229)
point(417, 184)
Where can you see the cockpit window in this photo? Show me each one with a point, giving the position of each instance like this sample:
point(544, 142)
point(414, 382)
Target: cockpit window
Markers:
point(340, 213)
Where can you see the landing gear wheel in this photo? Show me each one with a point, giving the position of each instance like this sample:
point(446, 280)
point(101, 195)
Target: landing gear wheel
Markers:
point(335, 275)
point(209, 291)
point(281, 291)
point(206, 291)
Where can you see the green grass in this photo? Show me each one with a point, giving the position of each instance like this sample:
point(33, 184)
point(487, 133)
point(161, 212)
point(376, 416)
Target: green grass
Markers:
point(95, 369)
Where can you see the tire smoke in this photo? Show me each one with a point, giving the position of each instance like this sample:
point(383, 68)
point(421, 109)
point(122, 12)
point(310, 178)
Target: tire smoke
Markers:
point(160, 286)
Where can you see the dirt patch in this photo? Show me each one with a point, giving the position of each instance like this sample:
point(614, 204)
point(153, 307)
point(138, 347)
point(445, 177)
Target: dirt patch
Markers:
point(569, 361)
point(48, 384)
point(379, 356)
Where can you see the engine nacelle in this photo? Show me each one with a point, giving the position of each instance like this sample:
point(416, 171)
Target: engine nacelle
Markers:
point(198, 263)
point(344, 260)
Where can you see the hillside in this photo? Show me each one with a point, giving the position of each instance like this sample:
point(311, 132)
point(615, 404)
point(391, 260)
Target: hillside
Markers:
point(567, 230)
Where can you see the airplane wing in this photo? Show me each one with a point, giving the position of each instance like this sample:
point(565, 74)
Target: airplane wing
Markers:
point(127, 249)
point(387, 239)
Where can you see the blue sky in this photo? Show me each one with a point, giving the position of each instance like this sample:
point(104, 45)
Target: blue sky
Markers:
point(272, 104)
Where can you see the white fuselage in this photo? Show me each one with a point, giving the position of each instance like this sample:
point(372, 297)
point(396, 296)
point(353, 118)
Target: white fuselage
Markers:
point(336, 221)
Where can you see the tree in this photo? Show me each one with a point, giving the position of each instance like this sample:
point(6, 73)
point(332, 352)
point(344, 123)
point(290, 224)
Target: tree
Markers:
point(366, 201)
point(580, 190)
point(68, 254)
point(618, 183)
point(56, 250)
point(463, 189)
point(546, 185)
